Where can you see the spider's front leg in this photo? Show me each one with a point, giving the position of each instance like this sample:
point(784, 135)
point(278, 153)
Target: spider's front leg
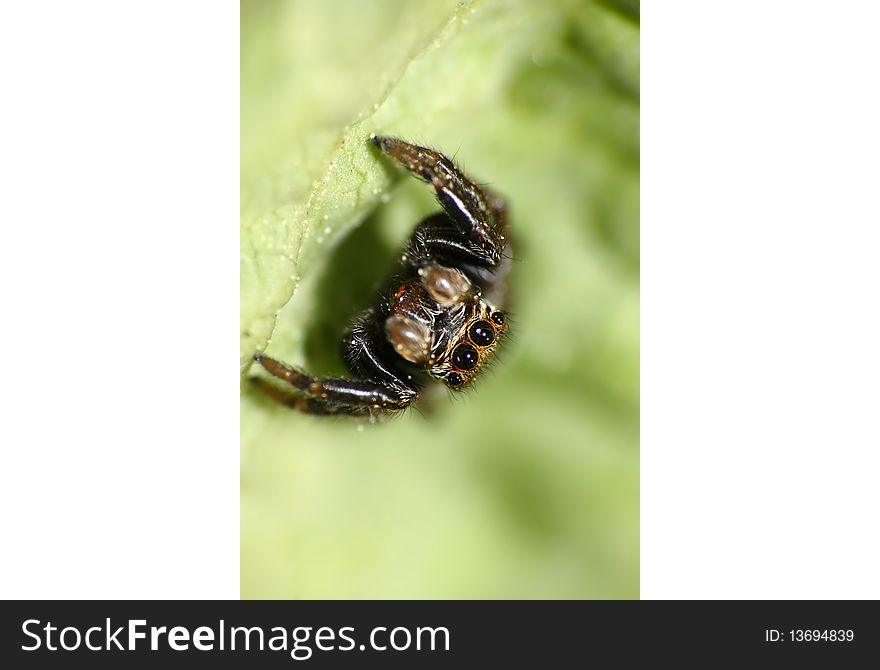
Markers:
point(304, 403)
point(478, 216)
point(332, 395)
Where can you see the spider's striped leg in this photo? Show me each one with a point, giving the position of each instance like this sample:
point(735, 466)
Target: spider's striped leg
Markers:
point(353, 393)
point(304, 403)
point(478, 214)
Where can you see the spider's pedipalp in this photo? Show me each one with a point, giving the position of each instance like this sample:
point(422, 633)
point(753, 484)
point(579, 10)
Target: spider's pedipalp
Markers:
point(447, 285)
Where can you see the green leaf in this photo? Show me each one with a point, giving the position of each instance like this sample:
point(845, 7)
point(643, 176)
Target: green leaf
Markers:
point(528, 487)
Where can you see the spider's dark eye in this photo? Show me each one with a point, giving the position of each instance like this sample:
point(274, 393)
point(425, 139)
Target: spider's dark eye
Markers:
point(482, 334)
point(498, 318)
point(465, 357)
point(454, 379)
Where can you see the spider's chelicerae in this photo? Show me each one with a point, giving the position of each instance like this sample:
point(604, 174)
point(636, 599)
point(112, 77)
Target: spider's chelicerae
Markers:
point(440, 314)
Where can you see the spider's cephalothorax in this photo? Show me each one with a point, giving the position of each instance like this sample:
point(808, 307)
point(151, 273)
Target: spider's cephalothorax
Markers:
point(441, 313)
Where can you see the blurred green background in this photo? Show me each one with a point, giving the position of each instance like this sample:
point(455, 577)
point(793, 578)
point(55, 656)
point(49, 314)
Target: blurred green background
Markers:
point(529, 486)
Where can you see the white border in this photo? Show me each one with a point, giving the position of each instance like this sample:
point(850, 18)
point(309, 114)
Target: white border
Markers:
point(760, 320)
point(119, 172)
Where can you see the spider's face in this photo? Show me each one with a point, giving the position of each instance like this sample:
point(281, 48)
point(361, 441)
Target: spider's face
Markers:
point(471, 346)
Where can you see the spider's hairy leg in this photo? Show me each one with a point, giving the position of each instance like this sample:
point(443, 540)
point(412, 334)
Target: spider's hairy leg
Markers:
point(303, 403)
point(479, 214)
point(353, 393)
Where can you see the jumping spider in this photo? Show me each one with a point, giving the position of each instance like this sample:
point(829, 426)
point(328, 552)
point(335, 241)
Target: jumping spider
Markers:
point(439, 315)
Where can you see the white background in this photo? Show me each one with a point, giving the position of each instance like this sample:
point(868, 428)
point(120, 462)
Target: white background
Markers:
point(119, 180)
point(119, 145)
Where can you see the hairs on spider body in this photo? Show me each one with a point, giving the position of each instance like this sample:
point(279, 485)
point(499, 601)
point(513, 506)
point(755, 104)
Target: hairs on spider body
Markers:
point(441, 314)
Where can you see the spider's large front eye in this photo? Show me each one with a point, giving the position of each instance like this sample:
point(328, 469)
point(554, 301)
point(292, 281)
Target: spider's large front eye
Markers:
point(465, 357)
point(482, 334)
